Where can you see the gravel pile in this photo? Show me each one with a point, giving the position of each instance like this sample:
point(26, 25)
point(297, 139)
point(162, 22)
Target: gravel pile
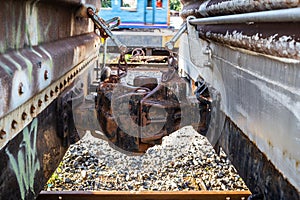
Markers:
point(184, 161)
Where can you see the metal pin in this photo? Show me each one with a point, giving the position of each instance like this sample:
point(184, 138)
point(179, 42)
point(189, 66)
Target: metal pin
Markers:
point(24, 115)
point(32, 109)
point(20, 90)
point(51, 93)
point(207, 64)
point(14, 124)
point(40, 103)
point(2, 133)
point(46, 75)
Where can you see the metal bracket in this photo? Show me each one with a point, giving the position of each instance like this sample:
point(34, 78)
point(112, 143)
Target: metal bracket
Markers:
point(18, 119)
point(195, 45)
point(105, 28)
point(170, 44)
point(65, 120)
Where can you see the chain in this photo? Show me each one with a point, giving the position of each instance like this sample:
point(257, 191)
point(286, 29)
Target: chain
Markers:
point(172, 68)
point(122, 68)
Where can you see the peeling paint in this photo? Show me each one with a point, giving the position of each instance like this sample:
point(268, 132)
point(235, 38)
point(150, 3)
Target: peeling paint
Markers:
point(17, 65)
point(49, 56)
point(31, 16)
point(6, 68)
point(2, 49)
point(224, 7)
point(28, 64)
point(16, 28)
point(2, 97)
point(284, 46)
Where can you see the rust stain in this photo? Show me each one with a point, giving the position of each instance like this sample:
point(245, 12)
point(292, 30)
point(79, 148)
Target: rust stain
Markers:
point(226, 7)
point(284, 153)
point(190, 8)
point(270, 144)
point(276, 39)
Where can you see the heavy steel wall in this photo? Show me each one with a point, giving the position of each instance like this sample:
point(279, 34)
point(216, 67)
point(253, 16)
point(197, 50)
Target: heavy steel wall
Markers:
point(255, 168)
point(259, 94)
point(29, 23)
point(29, 160)
point(44, 47)
point(255, 66)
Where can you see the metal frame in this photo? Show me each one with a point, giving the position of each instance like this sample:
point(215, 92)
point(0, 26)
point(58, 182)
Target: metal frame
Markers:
point(283, 15)
point(130, 195)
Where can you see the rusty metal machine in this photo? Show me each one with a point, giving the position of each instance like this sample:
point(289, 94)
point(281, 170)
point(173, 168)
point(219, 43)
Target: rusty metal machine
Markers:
point(136, 117)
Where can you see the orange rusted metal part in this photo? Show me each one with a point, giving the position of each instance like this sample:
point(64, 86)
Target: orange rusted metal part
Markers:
point(137, 117)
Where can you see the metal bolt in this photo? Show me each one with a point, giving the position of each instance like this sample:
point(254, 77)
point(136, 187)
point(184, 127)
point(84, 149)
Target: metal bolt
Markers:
point(20, 90)
point(66, 129)
point(14, 124)
point(46, 75)
point(207, 64)
point(2, 133)
point(51, 93)
point(169, 46)
point(40, 103)
point(207, 51)
point(24, 115)
point(65, 117)
point(32, 109)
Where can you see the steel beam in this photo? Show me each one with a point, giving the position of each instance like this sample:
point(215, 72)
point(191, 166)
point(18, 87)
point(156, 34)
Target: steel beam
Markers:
point(44, 47)
point(199, 195)
point(202, 8)
point(283, 15)
point(259, 95)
